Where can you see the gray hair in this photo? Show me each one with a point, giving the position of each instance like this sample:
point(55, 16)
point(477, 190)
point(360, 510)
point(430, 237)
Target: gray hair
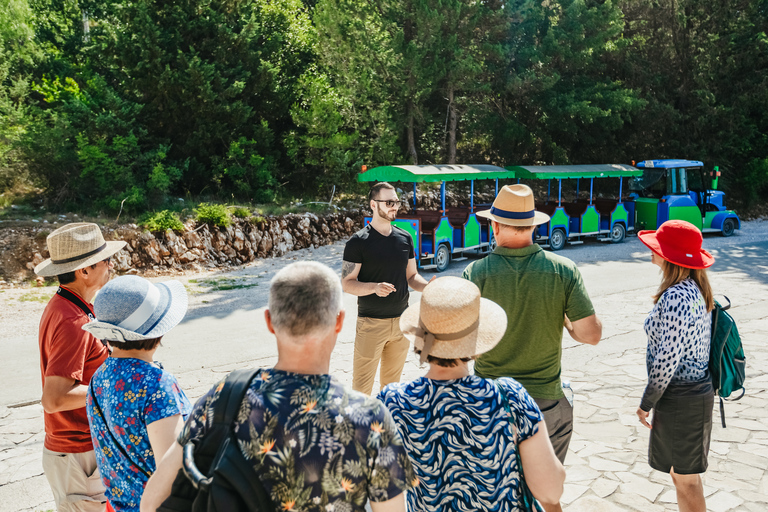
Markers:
point(304, 297)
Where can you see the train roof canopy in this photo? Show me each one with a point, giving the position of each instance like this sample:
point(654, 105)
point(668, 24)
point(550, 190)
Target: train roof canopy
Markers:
point(669, 164)
point(434, 173)
point(574, 171)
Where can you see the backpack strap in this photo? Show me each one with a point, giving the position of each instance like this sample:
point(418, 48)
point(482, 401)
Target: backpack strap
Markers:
point(224, 413)
point(231, 396)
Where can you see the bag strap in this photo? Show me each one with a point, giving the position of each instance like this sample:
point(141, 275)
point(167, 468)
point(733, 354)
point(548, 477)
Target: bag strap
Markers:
point(224, 413)
point(114, 440)
point(77, 301)
point(231, 396)
point(525, 492)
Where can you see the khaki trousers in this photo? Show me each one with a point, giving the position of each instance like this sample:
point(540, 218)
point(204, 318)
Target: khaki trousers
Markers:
point(75, 481)
point(378, 339)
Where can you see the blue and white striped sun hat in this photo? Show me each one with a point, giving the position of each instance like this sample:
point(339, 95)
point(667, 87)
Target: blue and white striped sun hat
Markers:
point(130, 308)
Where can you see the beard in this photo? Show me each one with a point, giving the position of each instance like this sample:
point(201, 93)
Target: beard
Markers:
point(384, 215)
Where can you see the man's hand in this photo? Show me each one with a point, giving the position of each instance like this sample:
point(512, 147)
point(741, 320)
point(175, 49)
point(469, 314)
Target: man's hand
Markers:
point(643, 415)
point(384, 289)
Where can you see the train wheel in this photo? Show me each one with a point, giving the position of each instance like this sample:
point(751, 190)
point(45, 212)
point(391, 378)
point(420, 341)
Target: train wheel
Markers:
point(557, 239)
point(618, 233)
point(729, 227)
point(442, 258)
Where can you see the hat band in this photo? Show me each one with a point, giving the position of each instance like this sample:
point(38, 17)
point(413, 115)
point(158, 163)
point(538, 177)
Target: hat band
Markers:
point(80, 257)
point(430, 337)
point(144, 311)
point(513, 215)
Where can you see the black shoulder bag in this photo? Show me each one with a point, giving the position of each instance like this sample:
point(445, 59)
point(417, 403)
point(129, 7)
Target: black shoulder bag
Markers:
point(215, 476)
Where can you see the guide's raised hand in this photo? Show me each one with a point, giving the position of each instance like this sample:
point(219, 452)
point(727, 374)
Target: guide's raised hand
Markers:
point(384, 289)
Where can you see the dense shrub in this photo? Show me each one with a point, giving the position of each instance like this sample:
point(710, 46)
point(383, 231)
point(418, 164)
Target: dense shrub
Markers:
point(162, 221)
point(241, 212)
point(215, 214)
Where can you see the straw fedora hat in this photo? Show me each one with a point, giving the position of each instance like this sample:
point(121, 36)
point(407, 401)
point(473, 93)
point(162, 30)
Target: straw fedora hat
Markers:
point(678, 242)
point(452, 321)
point(130, 308)
point(76, 246)
point(515, 206)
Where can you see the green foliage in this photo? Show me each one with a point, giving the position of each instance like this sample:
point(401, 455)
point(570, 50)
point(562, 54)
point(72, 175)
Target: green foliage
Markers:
point(754, 180)
point(261, 100)
point(241, 212)
point(162, 221)
point(249, 173)
point(215, 214)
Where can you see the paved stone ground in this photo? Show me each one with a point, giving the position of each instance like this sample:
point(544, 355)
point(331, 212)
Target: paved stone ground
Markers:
point(607, 466)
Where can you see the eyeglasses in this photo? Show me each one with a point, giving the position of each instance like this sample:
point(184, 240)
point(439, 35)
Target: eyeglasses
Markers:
point(388, 202)
point(107, 260)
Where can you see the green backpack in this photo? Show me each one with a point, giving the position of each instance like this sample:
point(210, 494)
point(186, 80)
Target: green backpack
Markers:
point(727, 363)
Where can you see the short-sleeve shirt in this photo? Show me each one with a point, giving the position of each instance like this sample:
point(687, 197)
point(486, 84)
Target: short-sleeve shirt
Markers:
point(66, 350)
point(537, 289)
point(383, 259)
point(679, 331)
point(315, 445)
point(461, 440)
point(131, 394)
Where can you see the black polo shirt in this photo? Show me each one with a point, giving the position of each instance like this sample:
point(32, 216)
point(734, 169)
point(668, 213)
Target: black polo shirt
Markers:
point(382, 259)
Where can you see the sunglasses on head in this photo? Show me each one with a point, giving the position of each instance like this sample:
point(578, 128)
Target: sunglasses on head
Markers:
point(388, 202)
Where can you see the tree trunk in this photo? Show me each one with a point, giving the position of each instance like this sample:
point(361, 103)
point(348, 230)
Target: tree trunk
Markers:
point(411, 138)
point(453, 121)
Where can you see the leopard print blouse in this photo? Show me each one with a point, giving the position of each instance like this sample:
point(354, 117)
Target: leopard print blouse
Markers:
point(678, 330)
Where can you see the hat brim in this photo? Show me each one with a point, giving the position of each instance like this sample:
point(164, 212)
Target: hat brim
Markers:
point(48, 268)
point(172, 294)
point(702, 259)
point(537, 219)
point(490, 330)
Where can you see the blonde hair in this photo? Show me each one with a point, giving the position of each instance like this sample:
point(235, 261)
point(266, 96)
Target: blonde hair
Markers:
point(673, 274)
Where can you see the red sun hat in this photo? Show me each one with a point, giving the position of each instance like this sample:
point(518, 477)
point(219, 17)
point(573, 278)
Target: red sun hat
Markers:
point(678, 242)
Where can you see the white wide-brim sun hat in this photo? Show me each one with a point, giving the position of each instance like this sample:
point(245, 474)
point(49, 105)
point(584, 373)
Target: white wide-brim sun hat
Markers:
point(453, 321)
point(130, 308)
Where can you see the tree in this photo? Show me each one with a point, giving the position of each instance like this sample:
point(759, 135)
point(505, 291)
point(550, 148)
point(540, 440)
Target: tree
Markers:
point(206, 73)
point(562, 104)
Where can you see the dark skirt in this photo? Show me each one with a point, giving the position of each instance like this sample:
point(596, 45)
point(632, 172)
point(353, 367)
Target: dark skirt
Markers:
point(682, 426)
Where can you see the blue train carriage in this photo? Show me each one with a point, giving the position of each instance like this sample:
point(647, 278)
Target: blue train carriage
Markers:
point(445, 235)
point(573, 219)
point(681, 189)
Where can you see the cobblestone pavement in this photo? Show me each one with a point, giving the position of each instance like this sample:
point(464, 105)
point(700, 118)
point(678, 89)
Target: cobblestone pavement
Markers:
point(607, 467)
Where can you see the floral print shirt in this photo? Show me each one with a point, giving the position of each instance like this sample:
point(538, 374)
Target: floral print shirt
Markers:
point(315, 445)
point(131, 394)
point(462, 442)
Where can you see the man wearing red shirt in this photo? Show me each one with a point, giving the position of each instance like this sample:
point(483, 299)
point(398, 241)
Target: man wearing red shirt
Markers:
point(69, 356)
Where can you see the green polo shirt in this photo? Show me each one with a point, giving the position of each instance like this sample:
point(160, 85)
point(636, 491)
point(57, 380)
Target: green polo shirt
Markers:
point(537, 289)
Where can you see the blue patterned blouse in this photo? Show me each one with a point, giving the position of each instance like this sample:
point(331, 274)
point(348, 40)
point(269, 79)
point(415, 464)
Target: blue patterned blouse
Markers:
point(132, 394)
point(461, 442)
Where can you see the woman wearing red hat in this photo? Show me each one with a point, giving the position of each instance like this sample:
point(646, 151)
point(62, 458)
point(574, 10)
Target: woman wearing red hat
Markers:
point(679, 386)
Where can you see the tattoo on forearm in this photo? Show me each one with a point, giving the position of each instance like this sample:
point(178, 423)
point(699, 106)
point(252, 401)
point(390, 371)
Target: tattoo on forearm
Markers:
point(346, 268)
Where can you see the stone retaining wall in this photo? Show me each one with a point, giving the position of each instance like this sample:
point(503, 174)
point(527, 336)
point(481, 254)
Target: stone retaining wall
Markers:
point(198, 247)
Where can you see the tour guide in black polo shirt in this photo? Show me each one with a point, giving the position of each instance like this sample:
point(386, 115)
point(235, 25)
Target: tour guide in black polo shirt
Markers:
point(379, 265)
